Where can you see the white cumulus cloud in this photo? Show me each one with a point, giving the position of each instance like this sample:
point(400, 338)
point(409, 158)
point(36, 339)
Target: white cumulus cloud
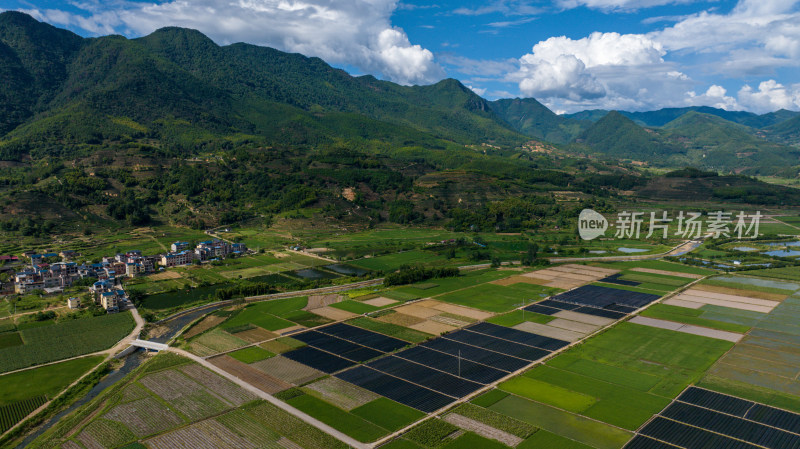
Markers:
point(600, 70)
point(716, 97)
point(770, 96)
point(353, 32)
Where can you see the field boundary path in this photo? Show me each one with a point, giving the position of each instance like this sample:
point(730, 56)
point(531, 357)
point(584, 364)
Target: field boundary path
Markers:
point(274, 401)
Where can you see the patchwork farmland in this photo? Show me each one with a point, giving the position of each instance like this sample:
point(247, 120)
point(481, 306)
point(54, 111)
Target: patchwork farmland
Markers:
point(573, 356)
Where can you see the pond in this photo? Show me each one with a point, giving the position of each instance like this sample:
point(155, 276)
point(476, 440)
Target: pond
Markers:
point(347, 270)
point(783, 253)
point(797, 243)
point(314, 274)
point(632, 250)
point(745, 248)
point(760, 282)
point(598, 251)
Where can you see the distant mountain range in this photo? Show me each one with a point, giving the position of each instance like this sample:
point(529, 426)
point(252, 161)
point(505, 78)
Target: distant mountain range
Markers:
point(177, 90)
point(700, 136)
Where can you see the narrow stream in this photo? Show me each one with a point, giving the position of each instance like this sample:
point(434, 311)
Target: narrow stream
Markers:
point(132, 361)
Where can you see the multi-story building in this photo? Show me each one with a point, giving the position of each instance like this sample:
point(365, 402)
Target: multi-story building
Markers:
point(179, 246)
point(177, 259)
point(212, 249)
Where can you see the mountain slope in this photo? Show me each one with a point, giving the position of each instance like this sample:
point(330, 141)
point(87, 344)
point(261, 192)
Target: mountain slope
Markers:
point(446, 109)
point(179, 89)
point(532, 118)
point(663, 116)
point(786, 132)
point(619, 137)
point(713, 142)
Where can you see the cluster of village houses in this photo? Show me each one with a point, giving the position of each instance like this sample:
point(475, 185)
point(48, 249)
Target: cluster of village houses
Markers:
point(107, 291)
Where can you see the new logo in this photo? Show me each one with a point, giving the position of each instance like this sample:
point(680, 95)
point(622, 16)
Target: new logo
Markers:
point(591, 224)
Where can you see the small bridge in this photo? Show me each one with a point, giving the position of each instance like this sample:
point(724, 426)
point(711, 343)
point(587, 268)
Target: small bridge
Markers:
point(149, 345)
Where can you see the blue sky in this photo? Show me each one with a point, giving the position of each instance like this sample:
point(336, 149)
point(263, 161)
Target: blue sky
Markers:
point(570, 54)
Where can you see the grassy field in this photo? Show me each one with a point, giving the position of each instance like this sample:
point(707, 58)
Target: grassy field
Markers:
point(180, 298)
point(620, 377)
point(691, 316)
point(355, 307)
point(498, 298)
point(274, 315)
point(515, 317)
point(656, 265)
point(251, 354)
point(546, 440)
point(787, 273)
point(66, 339)
point(568, 425)
point(676, 358)
point(23, 392)
point(348, 423)
point(387, 414)
point(446, 285)
point(391, 262)
point(612, 403)
point(392, 330)
point(46, 380)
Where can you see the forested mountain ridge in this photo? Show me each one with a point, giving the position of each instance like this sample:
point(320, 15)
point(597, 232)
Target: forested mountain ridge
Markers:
point(178, 86)
point(701, 136)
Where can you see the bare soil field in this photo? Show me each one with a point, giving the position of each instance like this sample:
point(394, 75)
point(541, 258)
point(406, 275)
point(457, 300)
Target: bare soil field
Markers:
point(217, 384)
point(288, 370)
point(256, 335)
point(145, 416)
point(204, 325)
point(247, 373)
point(340, 393)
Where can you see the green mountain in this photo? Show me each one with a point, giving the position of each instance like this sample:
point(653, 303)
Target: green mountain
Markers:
point(176, 86)
point(712, 142)
point(663, 116)
point(532, 118)
point(786, 132)
point(618, 137)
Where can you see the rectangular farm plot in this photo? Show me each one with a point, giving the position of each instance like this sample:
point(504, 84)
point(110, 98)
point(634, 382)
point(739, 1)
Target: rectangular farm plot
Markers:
point(605, 297)
point(695, 295)
point(340, 393)
point(333, 313)
point(288, 370)
point(428, 377)
point(339, 346)
point(495, 298)
point(399, 390)
point(207, 434)
point(688, 328)
point(549, 331)
point(517, 336)
point(569, 276)
point(184, 394)
point(144, 416)
point(364, 337)
point(249, 374)
point(457, 366)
